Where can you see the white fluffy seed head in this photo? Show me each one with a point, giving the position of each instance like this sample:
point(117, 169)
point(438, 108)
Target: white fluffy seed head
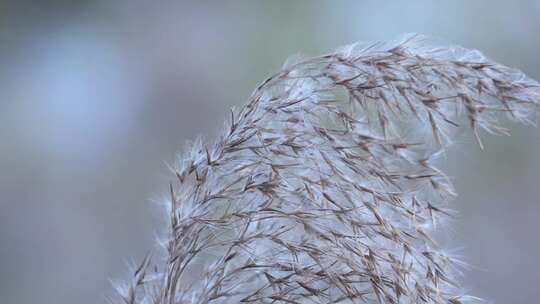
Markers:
point(323, 189)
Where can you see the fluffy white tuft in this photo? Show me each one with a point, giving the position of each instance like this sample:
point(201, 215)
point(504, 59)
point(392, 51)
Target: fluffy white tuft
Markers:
point(323, 188)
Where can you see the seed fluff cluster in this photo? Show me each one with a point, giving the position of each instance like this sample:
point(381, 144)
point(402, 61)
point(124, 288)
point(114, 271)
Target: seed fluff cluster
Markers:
point(323, 188)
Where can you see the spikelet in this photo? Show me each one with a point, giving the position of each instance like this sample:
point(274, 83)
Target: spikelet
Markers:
point(323, 188)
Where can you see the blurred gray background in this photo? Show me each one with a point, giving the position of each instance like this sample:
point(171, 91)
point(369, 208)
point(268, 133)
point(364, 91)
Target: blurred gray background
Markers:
point(96, 97)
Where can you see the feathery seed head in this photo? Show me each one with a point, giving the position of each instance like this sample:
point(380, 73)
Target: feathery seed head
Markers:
point(323, 188)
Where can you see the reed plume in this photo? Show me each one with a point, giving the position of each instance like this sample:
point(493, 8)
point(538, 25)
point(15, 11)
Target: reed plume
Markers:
point(324, 189)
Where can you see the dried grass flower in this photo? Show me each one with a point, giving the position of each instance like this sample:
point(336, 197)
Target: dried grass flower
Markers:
point(323, 188)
